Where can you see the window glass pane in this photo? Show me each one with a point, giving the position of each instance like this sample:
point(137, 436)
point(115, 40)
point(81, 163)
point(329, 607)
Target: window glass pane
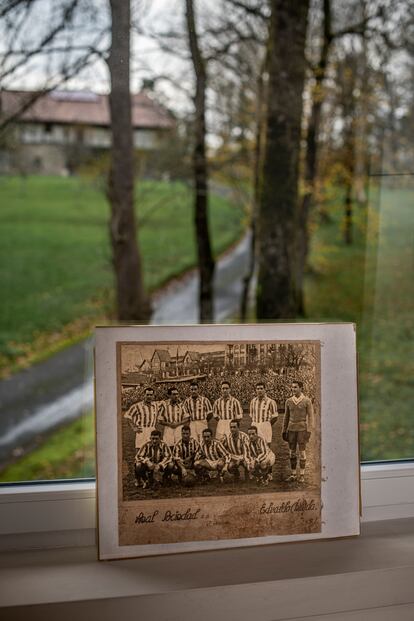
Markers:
point(302, 153)
point(387, 324)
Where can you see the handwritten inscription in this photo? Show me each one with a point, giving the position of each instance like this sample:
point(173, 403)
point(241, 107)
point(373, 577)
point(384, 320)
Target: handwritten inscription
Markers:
point(300, 505)
point(167, 516)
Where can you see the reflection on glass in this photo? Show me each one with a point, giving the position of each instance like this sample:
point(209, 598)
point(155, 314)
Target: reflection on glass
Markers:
point(387, 326)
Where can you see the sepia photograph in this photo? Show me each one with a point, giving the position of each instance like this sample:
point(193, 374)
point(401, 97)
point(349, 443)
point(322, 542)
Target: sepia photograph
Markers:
point(212, 436)
point(219, 419)
point(215, 424)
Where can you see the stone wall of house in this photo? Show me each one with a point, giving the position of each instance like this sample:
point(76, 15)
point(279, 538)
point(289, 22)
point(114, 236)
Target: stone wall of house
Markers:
point(38, 159)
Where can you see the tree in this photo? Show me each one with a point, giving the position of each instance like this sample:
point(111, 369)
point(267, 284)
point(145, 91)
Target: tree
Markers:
point(59, 48)
point(279, 190)
point(132, 301)
point(206, 263)
point(316, 96)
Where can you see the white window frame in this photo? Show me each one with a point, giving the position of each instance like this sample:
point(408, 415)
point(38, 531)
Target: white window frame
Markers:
point(64, 514)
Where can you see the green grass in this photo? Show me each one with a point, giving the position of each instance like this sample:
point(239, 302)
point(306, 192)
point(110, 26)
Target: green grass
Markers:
point(371, 283)
point(55, 260)
point(68, 453)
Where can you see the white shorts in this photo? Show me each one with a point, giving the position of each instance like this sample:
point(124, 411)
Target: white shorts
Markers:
point(223, 429)
point(197, 427)
point(212, 463)
point(269, 459)
point(172, 436)
point(264, 430)
point(143, 436)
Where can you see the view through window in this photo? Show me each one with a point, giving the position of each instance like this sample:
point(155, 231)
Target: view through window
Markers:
point(284, 156)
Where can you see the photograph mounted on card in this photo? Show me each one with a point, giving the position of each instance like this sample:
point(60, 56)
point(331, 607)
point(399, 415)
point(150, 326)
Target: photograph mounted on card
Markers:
point(225, 435)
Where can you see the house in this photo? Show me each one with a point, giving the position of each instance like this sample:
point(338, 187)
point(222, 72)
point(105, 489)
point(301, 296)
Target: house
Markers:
point(161, 362)
point(191, 362)
point(145, 366)
point(61, 129)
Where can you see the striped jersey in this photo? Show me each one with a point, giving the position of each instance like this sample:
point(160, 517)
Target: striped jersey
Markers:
point(212, 451)
point(172, 412)
point(143, 414)
point(227, 409)
point(186, 450)
point(258, 448)
point(198, 408)
point(298, 414)
point(263, 410)
point(160, 454)
point(237, 445)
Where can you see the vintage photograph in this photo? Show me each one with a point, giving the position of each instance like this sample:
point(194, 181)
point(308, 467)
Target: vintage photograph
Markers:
point(212, 436)
point(213, 422)
point(217, 419)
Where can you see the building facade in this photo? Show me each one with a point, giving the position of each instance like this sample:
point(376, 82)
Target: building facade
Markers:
point(61, 129)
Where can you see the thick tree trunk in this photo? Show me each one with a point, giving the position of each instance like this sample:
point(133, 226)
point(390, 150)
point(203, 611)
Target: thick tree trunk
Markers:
point(311, 157)
point(206, 262)
point(277, 215)
point(132, 303)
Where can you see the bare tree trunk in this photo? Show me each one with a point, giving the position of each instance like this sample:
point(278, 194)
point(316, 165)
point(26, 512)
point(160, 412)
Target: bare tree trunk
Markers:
point(349, 108)
point(258, 151)
point(206, 263)
point(362, 129)
point(348, 226)
point(132, 302)
point(311, 157)
point(277, 215)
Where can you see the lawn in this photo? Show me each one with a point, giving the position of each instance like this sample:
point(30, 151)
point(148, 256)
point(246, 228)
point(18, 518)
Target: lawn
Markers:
point(55, 262)
point(68, 453)
point(370, 283)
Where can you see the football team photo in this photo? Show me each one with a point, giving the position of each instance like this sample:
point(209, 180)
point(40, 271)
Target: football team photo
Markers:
point(218, 419)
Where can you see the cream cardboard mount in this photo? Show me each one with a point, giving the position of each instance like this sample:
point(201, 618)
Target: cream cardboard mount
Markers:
point(219, 436)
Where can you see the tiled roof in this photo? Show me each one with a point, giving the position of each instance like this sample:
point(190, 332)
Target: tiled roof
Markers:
point(84, 108)
point(163, 355)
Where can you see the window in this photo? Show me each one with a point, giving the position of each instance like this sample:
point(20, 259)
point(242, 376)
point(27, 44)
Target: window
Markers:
point(58, 280)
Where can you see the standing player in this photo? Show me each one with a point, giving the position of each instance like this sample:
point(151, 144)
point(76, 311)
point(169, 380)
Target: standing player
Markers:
point(211, 457)
point(237, 445)
point(199, 410)
point(262, 458)
point(172, 418)
point(297, 423)
point(184, 454)
point(153, 462)
point(263, 412)
point(225, 409)
point(142, 417)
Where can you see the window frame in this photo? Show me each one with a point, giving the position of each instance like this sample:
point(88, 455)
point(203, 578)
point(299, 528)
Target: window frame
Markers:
point(63, 514)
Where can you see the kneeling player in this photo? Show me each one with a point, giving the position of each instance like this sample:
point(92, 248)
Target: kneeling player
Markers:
point(153, 462)
point(237, 445)
point(184, 453)
point(211, 457)
point(261, 459)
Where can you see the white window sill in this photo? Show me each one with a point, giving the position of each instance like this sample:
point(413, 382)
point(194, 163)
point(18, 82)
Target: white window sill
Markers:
point(64, 514)
point(363, 578)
